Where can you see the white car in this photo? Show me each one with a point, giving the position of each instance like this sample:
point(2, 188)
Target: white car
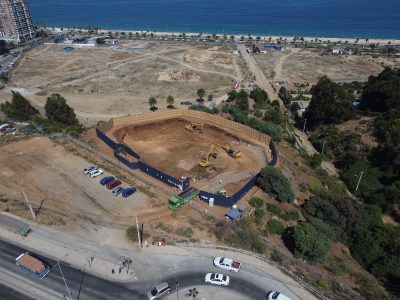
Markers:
point(227, 264)
point(87, 170)
point(96, 173)
point(216, 278)
point(158, 291)
point(274, 295)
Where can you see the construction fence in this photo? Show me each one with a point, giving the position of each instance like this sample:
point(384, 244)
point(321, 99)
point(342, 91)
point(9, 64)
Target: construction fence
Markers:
point(132, 160)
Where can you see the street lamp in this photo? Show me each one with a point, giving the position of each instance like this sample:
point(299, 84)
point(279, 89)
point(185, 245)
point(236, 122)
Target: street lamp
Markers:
point(304, 127)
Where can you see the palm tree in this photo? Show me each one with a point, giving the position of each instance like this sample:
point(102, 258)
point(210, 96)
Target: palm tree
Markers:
point(152, 102)
point(225, 36)
point(232, 38)
point(137, 34)
point(258, 38)
point(130, 35)
point(242, 38)
point(170, 101)
point(214, 36)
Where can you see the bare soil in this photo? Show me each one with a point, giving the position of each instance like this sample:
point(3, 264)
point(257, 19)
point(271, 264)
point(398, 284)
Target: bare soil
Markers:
point(57, 188)
point(103, 82)
point(177, 151)
point(308, 65)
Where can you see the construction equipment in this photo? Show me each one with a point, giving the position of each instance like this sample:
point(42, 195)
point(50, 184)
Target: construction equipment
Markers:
point(231, 150)
point(177, 201)
point(199, 127)
point(206, 161)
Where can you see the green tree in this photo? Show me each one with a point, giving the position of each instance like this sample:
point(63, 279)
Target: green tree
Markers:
point(232, 95)
point(100, 41)
point(210, 97)
point(201, 93)
point(369, 180)
point(388, 128)
point(170, 101)
point(58, 110)
point(242, 100)
point(285, 96)
point(308, 243)
point(272, 181)
point(152, 102)
point(294, 107)
point(330, 104)
point(259, 95)
point(381, 92)
point(19, 108)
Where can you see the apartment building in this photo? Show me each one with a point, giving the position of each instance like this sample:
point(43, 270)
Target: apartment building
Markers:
point(16, 20)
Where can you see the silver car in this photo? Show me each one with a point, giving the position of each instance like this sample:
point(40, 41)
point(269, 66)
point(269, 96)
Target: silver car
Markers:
point(159, 290)
point(117, 190)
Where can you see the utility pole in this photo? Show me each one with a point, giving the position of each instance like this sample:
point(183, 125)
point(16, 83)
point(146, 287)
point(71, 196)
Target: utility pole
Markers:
point(323, 147)
point(65, 282)
point(29, 204)
point(304, 127)
point(359, 180)
point(177, 289)
point(138, 231)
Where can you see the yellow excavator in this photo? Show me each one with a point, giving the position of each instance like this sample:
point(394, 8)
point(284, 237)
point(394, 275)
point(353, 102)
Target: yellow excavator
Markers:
point(231, 150)
point(199, 127)
point(206, 161)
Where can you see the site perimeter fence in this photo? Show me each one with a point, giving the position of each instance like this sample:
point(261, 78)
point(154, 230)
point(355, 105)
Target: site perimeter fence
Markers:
point(234, 128)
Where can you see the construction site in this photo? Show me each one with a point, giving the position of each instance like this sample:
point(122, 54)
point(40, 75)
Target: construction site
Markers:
point(215, 157)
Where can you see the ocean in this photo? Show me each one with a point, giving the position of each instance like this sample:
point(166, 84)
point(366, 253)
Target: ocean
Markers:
point(307, 18)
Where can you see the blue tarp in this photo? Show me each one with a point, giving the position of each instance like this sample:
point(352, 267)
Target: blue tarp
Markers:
point(233, 214)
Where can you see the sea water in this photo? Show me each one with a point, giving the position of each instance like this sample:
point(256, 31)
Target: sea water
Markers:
point(302, 18)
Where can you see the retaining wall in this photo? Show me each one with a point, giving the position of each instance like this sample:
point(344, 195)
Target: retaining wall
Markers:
point(191, 116)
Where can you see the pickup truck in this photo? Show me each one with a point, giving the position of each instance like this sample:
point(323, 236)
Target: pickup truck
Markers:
point(227, 264)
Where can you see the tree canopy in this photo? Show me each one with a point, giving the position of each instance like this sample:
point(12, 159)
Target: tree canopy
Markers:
point(201, 93)
point(382, 92)
point(242, 100)
point(330, 104)
point(259, 95)
point(19, 108)
point(272, 181)
point(58, 110)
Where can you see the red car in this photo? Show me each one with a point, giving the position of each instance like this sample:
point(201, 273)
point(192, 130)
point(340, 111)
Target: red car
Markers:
point(113, 184)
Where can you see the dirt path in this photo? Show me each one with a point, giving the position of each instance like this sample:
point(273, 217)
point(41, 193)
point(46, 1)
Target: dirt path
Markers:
point(279, 64)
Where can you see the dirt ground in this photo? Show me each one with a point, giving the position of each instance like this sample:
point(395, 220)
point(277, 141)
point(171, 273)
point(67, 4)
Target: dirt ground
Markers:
point(55, 184)
point(103, 82)
point(177, 151)
point(308, 65)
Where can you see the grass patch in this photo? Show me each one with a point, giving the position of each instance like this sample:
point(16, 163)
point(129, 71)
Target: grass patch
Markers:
point(186, 232)
point(275, 227)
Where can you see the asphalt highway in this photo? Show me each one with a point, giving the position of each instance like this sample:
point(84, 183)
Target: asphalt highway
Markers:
point(84, 286)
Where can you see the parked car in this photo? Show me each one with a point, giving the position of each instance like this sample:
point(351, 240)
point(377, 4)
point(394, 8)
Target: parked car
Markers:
point(117, 190)
point(128, 191)
point(159, 290)
point(87, 170)
point(274, 295)
point(113, 184)
point(106, 180)
point(96, 173)
point(227, 264)
point(217, 278)
point(4, 126)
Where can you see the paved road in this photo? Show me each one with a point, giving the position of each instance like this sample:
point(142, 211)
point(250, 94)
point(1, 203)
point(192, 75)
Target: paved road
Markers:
point(84, 286)
point(8, 293)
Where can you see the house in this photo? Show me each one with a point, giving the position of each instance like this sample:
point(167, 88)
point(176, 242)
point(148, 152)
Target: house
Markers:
point(303, 106)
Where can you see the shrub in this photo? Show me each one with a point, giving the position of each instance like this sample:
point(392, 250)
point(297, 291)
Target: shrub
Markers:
point(275, 227)
point(271, 180)
point(256, 202)
point(203, 109)
point(259, 215)
point(19, 109)
point(246, 237)
point(276, 256)
point(273, 209)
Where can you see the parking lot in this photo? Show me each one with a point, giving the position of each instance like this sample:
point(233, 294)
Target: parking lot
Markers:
point(54, 182)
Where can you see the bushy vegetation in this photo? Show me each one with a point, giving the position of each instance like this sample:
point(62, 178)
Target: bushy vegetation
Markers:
point(58, 110)
point(330, 104)
point(275, 227)
point(204, 109)
point(272, 181)
point(19, 108)
point(246, 237)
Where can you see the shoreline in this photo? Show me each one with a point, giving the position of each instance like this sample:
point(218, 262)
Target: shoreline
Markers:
point(274, 38)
